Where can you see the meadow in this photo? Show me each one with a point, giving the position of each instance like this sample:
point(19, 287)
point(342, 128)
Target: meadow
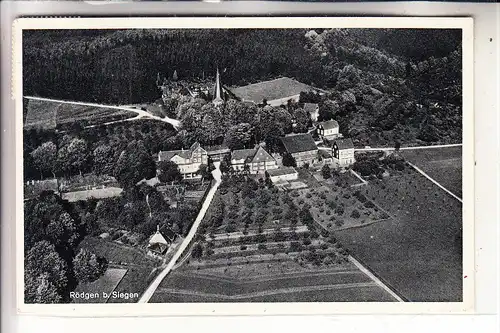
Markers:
point(419, 251)
point(442, 164)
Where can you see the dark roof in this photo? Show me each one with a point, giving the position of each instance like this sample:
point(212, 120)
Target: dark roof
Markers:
point(310, 107)
point(261, 155)
point(217, 149)
point(252, 155)
point(344, 143)
point(299, 143)
point(167, 155)
point(271, 90)
point(281, 171)
point(242, 154)
point(184, 153)
point(329, 124)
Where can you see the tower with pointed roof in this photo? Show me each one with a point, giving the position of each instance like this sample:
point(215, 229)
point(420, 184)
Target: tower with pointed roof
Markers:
point(218, 92)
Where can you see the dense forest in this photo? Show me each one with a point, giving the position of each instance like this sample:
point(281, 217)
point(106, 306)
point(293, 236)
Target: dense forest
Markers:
point(121, 66)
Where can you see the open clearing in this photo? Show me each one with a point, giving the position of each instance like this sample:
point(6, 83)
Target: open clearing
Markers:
point(442, 164)
point(105, 284)
point(418, 253)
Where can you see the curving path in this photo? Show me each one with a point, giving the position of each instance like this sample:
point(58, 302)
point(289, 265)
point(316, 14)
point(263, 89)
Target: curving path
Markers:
point(140, 113)
point(146, 296)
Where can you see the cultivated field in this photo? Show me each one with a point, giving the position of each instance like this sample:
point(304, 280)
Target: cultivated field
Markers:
point(442, 164)
point(105, 284)
point(418, 252)
point(49, 114)
point(269, 281)
point(41, 114)
point(141, 269)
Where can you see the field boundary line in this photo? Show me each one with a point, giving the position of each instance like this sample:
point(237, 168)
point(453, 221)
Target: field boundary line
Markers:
point(363, 182)
point(435, 182)
point(265, 278)
point(269, 292)
point(374, 278)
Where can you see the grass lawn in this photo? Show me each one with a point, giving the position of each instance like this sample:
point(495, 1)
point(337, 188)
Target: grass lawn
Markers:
point(105, 284)
point(140, 267)
point(101, 193)
point(442, 164)
point(419, 252)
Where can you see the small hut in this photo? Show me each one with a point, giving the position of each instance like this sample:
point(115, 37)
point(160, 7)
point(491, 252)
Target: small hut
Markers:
point(158, 244)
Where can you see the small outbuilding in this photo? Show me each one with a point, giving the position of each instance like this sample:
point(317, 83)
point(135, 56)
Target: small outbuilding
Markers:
point(283, 174)
point(157, 243)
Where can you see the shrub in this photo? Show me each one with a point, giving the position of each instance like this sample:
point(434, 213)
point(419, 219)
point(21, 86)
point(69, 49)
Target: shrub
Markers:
point(355, 214)
point(369, 204)
point(261, 246)
point(308, 195)
point(306, 241)
point(243, 247)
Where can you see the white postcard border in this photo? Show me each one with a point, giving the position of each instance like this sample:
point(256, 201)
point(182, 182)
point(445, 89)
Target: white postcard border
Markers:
point(305, 308)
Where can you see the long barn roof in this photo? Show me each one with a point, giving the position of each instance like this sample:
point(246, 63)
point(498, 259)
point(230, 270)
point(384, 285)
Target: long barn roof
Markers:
point(272, 90)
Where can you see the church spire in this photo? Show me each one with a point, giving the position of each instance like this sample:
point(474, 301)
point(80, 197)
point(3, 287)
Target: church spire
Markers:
point(218, 93)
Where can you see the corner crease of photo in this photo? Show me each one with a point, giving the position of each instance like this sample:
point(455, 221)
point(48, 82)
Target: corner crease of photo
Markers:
point(244, 166)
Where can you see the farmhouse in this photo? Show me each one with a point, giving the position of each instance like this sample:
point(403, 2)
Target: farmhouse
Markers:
point(283, 174)
point(274, 92)
point(328, 130)
point(257, 160)
point(302, 148)
point(189, 161)
point(313, 110)
point(343, 152)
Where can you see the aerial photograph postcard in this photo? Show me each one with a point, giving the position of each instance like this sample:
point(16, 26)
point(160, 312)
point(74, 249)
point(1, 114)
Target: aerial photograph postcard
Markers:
point(242, 165)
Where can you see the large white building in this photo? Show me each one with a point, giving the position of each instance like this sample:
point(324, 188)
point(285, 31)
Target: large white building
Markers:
point(189, 161)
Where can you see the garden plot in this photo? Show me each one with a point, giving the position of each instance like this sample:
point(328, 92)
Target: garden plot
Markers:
point(339, 207)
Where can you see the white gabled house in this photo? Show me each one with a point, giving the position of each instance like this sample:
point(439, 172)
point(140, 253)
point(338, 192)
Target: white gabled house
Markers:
point(257, 160)
point(328, 130)
point(343, 152)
